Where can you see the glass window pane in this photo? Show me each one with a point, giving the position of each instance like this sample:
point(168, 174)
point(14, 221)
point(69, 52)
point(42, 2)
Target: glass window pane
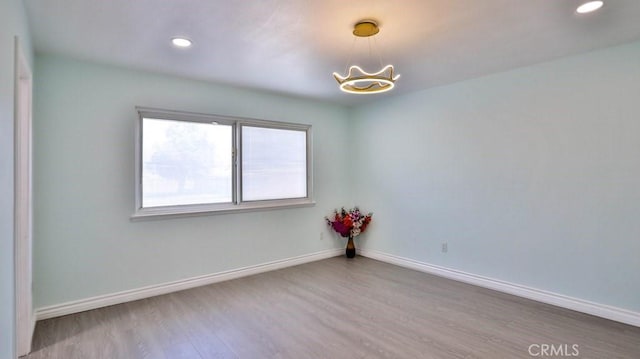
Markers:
point(185, 163)
point(274, 163)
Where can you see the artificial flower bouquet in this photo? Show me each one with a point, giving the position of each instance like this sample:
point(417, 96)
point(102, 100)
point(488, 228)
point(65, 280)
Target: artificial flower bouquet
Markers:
point(349, 223)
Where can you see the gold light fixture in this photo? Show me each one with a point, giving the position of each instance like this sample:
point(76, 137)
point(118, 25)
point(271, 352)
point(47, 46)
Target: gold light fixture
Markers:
point(359, 81)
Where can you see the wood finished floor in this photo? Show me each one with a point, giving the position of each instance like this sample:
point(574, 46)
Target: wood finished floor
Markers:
point(335, 308)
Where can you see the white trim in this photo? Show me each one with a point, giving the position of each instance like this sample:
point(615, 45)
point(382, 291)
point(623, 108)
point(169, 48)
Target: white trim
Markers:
point(600, 310)
point(23, 202)
point(200, 210)
point(159, 289)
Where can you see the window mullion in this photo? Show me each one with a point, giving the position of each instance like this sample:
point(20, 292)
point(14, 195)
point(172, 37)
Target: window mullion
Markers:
point(237, 161)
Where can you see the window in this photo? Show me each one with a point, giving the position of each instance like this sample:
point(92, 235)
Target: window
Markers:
point(193, 163)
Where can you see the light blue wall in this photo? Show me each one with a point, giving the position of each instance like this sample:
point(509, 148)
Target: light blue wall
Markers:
point(532, 176)
point(85, 244)
point(13, 23)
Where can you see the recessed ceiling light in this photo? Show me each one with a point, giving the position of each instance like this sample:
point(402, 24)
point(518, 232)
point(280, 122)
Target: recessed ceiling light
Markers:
point(181, 42)
point(589, 6)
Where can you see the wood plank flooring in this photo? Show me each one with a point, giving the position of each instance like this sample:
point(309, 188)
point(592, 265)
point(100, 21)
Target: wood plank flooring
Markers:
point(334, 308)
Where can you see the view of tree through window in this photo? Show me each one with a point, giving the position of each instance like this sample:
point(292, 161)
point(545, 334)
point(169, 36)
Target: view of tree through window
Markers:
point(186, 163)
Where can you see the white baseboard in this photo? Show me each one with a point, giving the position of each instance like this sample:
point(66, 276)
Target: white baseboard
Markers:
point(579, 305)
point(597, 309)
point(159, 289)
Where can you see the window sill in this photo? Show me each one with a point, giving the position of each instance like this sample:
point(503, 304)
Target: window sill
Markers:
point(207, 210)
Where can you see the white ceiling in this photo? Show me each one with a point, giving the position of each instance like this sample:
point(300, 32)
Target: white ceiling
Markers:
point(293, 46)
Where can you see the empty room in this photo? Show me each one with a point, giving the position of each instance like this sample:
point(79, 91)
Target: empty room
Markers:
point(319, 179)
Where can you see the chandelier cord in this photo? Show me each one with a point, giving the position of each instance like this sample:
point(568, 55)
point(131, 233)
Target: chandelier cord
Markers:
point(353, 45)
point(378, 51)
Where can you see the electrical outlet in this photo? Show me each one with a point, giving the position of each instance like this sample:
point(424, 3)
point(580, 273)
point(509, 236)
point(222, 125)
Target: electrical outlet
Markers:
point(321, 235)
point(445, 247)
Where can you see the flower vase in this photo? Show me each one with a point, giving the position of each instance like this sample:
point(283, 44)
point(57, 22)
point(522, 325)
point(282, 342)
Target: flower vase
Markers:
point(351, 248)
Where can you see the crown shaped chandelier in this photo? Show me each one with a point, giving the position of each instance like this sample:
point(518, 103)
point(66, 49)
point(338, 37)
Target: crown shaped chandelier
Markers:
point(359, 81)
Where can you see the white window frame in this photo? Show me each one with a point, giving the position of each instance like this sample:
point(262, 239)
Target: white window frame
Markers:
point(237, 204)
